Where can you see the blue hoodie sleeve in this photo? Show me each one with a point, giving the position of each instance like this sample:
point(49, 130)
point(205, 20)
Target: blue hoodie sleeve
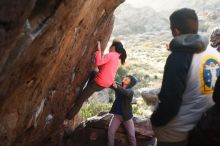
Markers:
point(173, 86)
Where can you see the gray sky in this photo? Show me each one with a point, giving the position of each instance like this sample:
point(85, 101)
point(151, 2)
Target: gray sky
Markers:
point(158, 5)
point(155, 4)
point(137, 3)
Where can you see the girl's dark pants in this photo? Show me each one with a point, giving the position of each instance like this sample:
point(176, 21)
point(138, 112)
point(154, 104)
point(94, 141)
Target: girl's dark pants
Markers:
point(91, 87)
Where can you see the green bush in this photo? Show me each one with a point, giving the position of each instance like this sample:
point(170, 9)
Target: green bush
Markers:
point(91, 109)
point(121, 73)
point(141, 109)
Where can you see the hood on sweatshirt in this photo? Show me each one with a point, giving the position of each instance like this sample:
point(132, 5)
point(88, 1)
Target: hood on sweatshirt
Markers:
point(133, 81)
point(192, 43)
point(215, 38)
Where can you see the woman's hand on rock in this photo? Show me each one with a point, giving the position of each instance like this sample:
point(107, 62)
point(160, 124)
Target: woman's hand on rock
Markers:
point(99, 45)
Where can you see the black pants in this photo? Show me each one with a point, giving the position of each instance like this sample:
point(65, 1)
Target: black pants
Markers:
point(91, 87)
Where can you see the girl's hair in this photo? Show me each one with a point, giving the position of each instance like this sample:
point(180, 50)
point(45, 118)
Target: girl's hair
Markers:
point(120, 49)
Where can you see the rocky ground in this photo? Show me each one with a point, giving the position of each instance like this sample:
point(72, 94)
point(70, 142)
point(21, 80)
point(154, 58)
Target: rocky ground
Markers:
point(93, 132)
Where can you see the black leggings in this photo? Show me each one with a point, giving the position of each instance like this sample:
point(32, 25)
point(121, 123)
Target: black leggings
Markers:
point(91, 87)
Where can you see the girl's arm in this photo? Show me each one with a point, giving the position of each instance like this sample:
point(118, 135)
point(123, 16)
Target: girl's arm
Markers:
point(100, 60)
point(126, 92)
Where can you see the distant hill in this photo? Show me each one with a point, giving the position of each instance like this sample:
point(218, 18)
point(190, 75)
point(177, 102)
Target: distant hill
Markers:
point(132, 21)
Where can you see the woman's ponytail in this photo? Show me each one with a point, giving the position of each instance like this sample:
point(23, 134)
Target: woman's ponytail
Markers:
point(123, 56)
point(120, 49)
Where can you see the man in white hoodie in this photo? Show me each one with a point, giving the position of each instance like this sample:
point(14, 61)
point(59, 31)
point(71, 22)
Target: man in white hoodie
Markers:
point(186, 90)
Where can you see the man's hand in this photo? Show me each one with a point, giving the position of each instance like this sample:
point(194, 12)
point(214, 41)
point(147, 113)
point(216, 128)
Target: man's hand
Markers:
point(115, 85)
point(99, 45)
point(167, 46)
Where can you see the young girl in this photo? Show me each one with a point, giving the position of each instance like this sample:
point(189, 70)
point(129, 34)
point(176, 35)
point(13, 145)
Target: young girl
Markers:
point(122, 111)
point(108, 66)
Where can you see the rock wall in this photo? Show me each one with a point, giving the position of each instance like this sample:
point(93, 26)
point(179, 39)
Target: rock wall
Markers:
point(46, 53)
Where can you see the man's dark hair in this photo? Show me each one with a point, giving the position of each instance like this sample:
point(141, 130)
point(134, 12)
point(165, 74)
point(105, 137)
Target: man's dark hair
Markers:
point(185, 20)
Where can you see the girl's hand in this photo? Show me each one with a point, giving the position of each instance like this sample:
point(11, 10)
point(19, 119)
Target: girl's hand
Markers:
point(66, 123)
point(99, 45)
point(115, 85)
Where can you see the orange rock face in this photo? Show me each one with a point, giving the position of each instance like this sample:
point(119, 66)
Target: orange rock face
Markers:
point(46, 54)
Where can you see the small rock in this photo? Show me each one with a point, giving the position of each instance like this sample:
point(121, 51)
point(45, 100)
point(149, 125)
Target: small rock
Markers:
point(150, 96)
point(100, 97)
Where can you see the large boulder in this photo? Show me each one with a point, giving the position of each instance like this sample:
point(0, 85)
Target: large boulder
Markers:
point(100, 97)
point(150, 96)
point(93, 132)
point(46, 54)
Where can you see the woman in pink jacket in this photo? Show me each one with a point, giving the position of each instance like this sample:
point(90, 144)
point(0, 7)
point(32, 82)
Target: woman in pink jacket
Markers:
point(108, 66)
